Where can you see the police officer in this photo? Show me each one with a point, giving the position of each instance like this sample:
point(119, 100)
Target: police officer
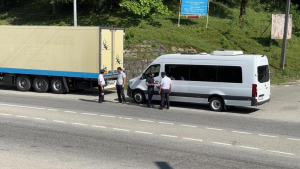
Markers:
point(101, 85)
point(150, 83)
point(165, 89)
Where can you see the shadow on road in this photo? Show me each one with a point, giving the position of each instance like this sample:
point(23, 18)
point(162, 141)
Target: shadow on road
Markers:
point(163, 165)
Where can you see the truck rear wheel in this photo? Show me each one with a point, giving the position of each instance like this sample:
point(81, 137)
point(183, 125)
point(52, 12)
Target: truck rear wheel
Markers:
point(24, 83)
point(41, 84)
point(57, 85)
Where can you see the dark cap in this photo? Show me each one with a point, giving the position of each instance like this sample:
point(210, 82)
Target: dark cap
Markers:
point(163, 73)
point(119, 68)
point(102, 71)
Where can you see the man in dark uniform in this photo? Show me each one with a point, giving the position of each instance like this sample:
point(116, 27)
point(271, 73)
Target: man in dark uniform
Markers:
point(150, 83)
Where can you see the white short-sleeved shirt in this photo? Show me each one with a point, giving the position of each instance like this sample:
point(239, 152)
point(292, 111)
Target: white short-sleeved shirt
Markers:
point(101, 79)
point(120, 79)
point(165, 82)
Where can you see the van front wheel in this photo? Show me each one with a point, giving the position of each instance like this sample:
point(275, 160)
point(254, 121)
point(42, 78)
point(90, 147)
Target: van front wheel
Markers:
point(216, 104)
point(139, 97)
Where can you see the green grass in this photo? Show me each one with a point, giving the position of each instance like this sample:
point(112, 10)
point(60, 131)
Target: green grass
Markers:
point(224, 32)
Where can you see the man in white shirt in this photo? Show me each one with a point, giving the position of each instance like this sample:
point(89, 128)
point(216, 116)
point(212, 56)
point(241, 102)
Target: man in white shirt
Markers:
point(121, 81)
point(101, 85)
point(165, 89)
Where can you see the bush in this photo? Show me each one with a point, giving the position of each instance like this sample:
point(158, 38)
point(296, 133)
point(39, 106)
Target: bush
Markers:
point(3, 16)
point(296, 19)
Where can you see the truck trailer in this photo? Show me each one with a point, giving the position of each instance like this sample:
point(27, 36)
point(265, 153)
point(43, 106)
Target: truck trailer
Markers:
point(57, 58)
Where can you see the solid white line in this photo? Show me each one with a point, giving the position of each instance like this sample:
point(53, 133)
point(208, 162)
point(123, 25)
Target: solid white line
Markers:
point(208, 128)
point(121, 129)
point(294, 139)
point(252, 148)
point(263, 135)
point(91, 114)
point(5, 114)
point(107, 116)
point(280, 152)
point(166, 123)
point(52, 109)
point(39, 118)
point(184, 125)
point(142, 132)
point(128, 118)
point(241, 132)
point(192, 139)
point(225, 144)
point(70, 112)
point(149, 121)
point(21, 116)
point(59, 121)
point(80, 124)
point(164, 135)
point(99, 126)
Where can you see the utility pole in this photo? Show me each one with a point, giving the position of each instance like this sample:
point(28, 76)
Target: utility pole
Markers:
point(286, 24)
point(75, 13)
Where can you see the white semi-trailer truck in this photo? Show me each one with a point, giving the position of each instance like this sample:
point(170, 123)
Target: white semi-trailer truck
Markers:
point(56, 58)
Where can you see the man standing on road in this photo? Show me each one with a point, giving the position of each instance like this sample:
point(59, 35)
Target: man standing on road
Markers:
point(101, 84)
point(165, 89)
point(150, 83)
point(121, 80)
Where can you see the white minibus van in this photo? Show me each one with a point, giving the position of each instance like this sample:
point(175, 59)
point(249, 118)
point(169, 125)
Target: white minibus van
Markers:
point(221, 79)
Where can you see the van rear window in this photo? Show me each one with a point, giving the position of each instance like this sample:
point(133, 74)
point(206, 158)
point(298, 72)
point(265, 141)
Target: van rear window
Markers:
point(263, 73)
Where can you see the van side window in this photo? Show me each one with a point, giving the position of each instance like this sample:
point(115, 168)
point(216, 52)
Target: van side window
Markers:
point(203, 73)
point(229, 74)
point(263, 74)
point(178, 72)
point(152, 69)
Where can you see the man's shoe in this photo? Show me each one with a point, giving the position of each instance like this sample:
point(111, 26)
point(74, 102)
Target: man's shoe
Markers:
point(160, 108)
point(152, 107)
point(168, 108)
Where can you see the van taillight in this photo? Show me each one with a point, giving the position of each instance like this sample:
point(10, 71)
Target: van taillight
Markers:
point(254, 90)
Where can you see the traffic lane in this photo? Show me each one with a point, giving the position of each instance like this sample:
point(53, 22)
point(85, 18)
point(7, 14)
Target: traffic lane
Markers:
point(80, 147)
point(238, 139)
point(201, 117)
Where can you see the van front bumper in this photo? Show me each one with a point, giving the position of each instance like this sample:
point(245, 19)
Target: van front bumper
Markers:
point(129, 92)
point(254, 102)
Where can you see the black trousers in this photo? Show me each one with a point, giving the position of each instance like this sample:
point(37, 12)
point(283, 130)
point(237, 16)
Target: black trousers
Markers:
point(165, 98)
point(101, 97)
point(120, 92)
point(150, 95)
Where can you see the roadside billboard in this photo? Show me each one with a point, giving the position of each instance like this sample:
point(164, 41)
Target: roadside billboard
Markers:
point(194, 7)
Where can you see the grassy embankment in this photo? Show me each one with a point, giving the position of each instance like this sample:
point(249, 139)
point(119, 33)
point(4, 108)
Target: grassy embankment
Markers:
point(224, 32)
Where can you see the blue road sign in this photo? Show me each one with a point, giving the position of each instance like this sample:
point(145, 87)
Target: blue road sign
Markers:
point(194, 7)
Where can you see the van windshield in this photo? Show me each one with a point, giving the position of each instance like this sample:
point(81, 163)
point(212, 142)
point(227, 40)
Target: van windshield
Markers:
point(263, 73)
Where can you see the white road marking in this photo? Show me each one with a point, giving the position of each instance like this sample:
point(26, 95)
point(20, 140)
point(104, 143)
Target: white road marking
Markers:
point(143, 132)
point(99, 126)
point(241, 132)
point(286, 85)
point(107, 116)
point(264, 135)
point(191, 139)
point(41, 108)
point(247, 147)
point(184, 125)
point(149, 121)
point(36, 118)
point(294, 139)
point(165, 135)
point(128, 118)
point(21, 116)
point(225, 144)
point(280, 152)
point(120, 117)
point(166, 123)
point(5, 114)
point(59, 121)
point(121, 129)
point(52, 110)
point(70, 112)
point(80, 124)
point(209, 128)
point(90, 114)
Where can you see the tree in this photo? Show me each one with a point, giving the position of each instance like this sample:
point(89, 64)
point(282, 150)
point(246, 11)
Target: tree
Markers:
point(145, 7)
point(243, 9)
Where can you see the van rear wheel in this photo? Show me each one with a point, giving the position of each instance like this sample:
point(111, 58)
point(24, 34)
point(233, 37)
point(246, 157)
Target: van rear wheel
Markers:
point(139, 97)
point(216, 104)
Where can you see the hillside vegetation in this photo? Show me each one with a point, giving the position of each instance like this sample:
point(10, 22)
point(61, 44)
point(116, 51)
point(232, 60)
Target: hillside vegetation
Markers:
point(225, 31)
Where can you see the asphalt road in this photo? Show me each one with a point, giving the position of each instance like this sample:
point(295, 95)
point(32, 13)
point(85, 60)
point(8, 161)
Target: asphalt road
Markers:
point(73, 131)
